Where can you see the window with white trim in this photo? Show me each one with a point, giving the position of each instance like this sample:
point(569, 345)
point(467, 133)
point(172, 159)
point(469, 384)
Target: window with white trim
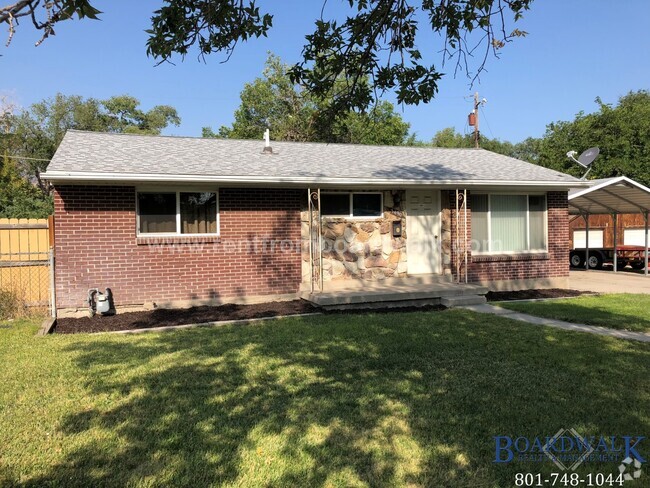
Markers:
point(508, 223)
point(352, 204)
point(178, 212)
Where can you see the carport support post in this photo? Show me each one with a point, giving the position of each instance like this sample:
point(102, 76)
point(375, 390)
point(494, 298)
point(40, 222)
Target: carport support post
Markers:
point(615, 219)
point(587, 242)
point(645, 216)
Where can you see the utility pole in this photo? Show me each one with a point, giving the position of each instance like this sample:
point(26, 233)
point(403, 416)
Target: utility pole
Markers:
point(476, 133)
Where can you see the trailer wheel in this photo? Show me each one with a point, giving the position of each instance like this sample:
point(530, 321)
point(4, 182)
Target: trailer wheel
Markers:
point(595, 261)
point(576, 259)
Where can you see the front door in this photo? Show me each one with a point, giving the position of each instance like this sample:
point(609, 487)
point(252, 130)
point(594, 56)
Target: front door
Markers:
point(423, 231)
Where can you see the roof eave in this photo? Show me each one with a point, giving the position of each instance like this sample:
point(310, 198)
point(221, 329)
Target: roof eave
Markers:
point(89, 178)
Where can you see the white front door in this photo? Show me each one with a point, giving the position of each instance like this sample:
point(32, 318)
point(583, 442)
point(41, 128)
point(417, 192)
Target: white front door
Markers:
point(423, 231)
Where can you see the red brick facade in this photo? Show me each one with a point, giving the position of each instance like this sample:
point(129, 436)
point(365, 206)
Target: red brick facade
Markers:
point(257, 252)
point(96, 247)
point(553, 264)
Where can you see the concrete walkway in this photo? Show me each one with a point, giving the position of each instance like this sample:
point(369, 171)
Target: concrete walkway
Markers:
point(558, 324)
point(609, 282)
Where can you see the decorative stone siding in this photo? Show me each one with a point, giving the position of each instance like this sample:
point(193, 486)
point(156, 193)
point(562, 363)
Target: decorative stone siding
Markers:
point(361, 248)
point(445, 231)
point(365, 249)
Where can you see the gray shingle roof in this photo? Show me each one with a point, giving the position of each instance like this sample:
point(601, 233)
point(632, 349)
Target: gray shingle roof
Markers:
point(102, 153)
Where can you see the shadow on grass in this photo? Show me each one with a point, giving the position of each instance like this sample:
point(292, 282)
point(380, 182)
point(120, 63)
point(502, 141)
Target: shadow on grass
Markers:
point(408, 399)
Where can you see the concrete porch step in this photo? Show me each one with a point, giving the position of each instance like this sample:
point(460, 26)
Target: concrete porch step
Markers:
point(398, 294)
point(461, 301)
point(383, 305)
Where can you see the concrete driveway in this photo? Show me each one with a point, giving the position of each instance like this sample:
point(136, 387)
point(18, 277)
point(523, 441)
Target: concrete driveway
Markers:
point(606, 281)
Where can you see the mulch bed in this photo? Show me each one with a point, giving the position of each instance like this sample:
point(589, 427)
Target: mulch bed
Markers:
point(499, 296)
point(195, 315)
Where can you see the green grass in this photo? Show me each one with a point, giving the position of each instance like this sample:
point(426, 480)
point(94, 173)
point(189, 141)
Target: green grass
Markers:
point(618, 311)
point(400, 399)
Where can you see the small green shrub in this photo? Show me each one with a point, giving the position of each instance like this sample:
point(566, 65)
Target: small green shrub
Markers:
point(12, 304)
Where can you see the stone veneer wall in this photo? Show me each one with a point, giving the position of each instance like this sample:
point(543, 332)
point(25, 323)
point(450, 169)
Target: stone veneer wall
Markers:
point(365, 249)
point(446, 198)
point(361, 248)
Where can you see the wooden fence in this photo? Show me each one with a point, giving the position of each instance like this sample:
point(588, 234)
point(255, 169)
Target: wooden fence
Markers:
point(25, 256)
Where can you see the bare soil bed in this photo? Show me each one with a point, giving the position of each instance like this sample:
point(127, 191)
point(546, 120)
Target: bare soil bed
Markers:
point(164, 317)
point(500, 296)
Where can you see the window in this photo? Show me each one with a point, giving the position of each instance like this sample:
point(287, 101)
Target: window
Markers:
point(352, 204)
point(366, 205)
point(335, 203)
point(186, 213)
point(157, 213)
point(508, 223)
point(198, 213)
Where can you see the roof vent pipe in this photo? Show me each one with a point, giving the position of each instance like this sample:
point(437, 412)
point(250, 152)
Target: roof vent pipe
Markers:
point(267, 143)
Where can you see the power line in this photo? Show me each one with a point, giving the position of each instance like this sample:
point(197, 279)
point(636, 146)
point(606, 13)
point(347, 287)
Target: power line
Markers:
point(488, 123)
point(25, 157)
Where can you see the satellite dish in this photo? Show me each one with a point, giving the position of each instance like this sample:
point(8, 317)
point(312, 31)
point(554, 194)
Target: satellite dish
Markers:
point(585, 159)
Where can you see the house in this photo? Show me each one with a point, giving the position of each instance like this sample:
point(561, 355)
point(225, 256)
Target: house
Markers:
point(174, 221)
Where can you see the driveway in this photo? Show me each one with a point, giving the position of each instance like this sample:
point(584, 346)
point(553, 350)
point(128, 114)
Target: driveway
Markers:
point(609, 282)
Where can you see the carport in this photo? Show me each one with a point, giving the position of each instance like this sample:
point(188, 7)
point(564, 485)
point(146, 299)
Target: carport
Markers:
point(611, 196)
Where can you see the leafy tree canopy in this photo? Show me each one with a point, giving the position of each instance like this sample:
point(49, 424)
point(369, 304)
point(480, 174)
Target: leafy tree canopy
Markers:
point(274, 101)
point(449, 138)
point(621, 131)
point(381, 40)
point(31, 137)
point(19, 198)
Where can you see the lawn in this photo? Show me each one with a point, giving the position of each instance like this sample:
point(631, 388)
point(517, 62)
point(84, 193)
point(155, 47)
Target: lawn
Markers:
point(617, 311)
point(398, 399)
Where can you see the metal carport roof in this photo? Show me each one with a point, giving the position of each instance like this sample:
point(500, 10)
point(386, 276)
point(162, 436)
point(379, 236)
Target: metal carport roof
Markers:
point(619, 195)
point(611, 196)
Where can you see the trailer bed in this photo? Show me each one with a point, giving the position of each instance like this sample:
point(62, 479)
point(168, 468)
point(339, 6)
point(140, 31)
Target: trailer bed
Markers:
point(625, 255)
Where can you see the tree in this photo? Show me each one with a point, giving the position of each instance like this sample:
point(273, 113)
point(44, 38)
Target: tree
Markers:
point(53, 11)
point(622, 132)
point(378, 40)
point(34, 134)
point(449, 138)
point(18, 198)
point(273, 101)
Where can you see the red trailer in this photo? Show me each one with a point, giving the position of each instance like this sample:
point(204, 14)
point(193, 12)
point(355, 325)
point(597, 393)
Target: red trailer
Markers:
point(626, 255)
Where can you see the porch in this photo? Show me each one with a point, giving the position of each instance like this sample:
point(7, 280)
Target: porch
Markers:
point(415, 290)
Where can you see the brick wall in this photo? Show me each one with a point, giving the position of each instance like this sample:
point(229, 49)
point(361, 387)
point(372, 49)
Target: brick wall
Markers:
point(257, 252)
point(553, 264)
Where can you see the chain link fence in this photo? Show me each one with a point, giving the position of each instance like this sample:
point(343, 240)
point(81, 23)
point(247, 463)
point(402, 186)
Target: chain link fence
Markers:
point(26, 259)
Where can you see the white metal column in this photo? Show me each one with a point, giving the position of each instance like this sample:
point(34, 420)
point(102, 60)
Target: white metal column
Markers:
point(615, 218)
point(645, 216)
point(587, 242)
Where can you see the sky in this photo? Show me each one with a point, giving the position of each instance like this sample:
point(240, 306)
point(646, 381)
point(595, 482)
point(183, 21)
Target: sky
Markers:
point(575, 50)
